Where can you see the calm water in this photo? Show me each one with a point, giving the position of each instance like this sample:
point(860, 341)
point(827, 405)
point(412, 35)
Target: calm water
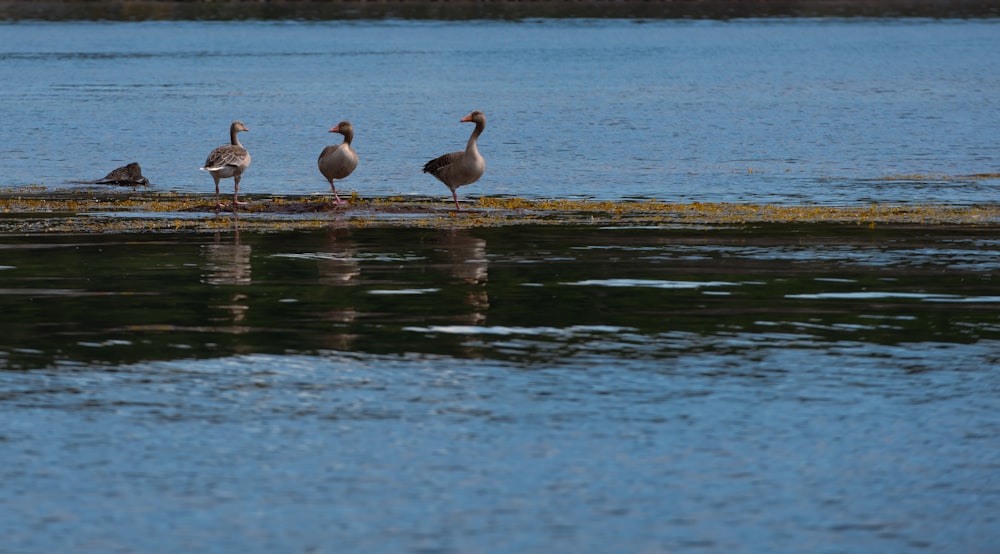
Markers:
point(524, 389)
point(529, 389)
point(786, 111)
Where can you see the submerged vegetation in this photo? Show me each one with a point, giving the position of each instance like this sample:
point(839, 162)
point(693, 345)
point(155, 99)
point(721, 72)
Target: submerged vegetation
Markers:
point(32, 210)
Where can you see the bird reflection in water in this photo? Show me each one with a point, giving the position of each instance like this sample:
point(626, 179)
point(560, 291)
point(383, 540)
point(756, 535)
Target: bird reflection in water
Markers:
point(339, 264)
point(338, 267)
point(227, 263)
point(466, 258)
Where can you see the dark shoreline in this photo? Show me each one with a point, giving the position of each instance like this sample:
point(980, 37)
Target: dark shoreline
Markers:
point(144, 10)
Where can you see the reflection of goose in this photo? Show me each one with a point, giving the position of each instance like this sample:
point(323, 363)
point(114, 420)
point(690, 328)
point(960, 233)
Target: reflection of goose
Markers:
point(338, 161)
point(461, 168)
point(466, 256)
point(227, 263)
point(467, 260)
point(229, 160)
point(129, 175)
point(338, 266)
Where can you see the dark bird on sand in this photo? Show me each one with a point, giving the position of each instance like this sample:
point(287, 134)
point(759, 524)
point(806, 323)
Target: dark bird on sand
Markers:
point(458, 169)
point(128, 175)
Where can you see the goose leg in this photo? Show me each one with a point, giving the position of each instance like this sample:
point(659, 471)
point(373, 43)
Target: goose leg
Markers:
point(236, 192)
point(455, 196)
point(335, 195)
point(218, 203)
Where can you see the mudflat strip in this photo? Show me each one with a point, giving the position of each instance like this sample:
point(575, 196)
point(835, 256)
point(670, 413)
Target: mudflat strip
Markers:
point(128, 212)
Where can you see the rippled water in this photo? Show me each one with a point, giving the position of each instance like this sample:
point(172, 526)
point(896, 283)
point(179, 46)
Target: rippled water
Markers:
point(790, 111)
point(791, 388)
point(523, 389)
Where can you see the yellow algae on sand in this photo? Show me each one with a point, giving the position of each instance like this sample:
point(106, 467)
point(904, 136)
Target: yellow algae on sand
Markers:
point(84, 212)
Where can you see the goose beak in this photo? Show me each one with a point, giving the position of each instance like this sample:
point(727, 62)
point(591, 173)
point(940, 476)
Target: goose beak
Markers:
point(466, 119)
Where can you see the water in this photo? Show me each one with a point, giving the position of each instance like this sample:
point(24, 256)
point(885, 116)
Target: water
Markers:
point(784, 111)
point(522, 389)
point(767, 388)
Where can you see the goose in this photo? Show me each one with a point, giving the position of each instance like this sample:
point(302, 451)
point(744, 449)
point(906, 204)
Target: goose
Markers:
point(338, 161)
point(229, 160)
point(458, 169)
point(130, 175)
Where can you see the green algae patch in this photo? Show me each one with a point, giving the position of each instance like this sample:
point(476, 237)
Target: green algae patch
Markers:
point(34, 210)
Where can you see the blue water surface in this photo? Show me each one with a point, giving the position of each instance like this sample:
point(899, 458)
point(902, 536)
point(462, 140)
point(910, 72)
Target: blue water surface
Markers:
point(789, 111)
point(531, 389)
point(527, 389)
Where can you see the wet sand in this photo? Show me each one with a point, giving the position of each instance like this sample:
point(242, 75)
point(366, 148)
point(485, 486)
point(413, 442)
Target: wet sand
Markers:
point(127, 211)
point(487, 9)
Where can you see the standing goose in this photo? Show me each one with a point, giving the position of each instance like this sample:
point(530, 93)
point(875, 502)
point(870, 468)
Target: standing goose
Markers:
point(229, 160)
point(338, 161)
point(461, 168)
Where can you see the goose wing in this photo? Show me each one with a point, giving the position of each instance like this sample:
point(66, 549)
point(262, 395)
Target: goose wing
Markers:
point(229, 154)
point(437, 164)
